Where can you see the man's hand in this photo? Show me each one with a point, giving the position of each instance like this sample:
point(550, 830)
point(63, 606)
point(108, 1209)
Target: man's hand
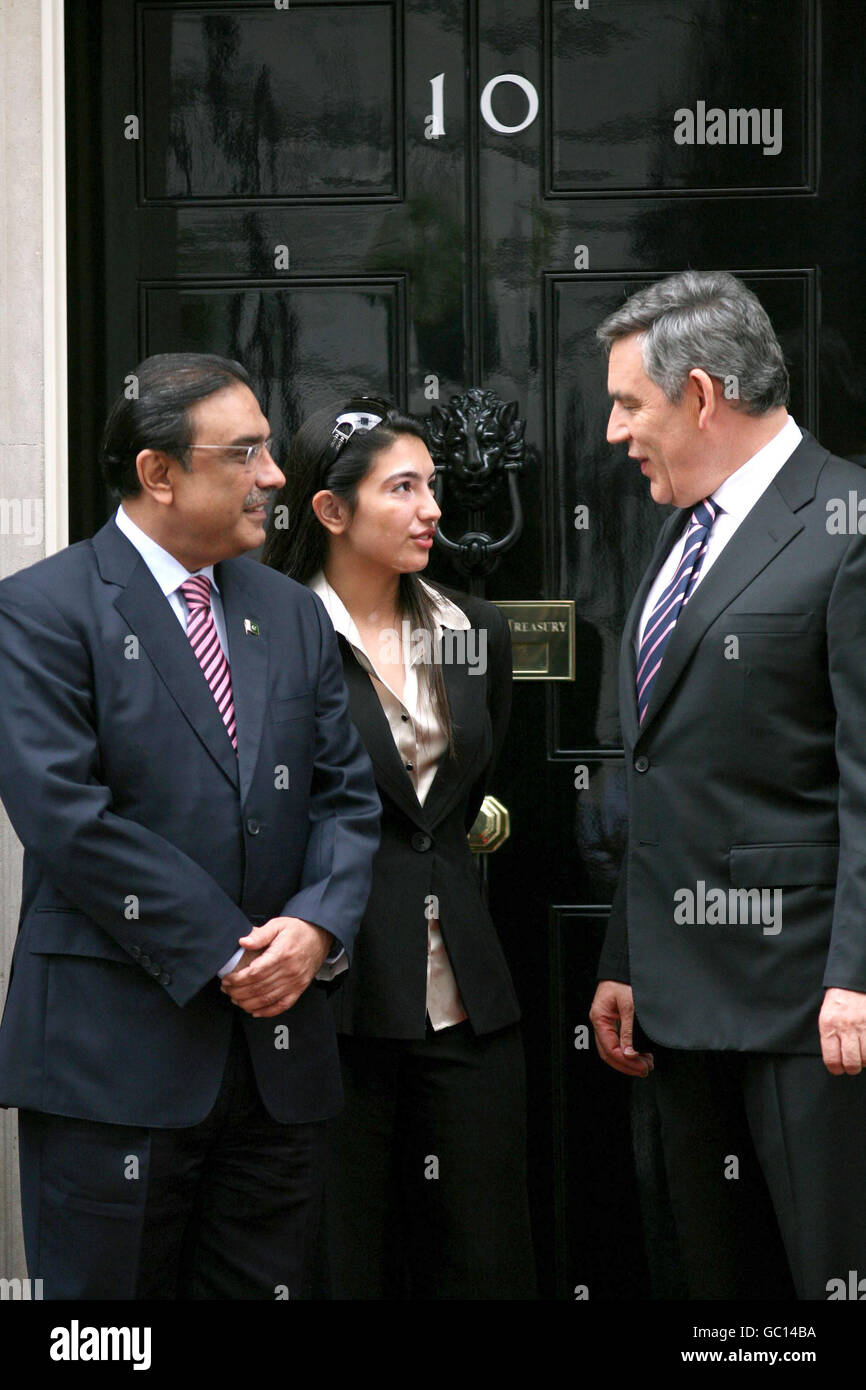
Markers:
point(842, 1027)
point(612, 1017)
point(279, 961)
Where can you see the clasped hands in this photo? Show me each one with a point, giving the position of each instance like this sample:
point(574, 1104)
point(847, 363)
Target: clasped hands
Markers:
point(841, 1028)
point(280, 959)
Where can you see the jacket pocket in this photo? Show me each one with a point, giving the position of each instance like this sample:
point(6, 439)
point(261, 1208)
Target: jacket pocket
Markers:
point(51, 932)
point(768, 622)
point(783, 866)
point(293, 707)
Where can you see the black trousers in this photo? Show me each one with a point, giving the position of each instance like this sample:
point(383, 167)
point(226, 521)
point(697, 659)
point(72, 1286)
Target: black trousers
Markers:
point(425, 1193)
point(224, 1209)
point(766, 1162)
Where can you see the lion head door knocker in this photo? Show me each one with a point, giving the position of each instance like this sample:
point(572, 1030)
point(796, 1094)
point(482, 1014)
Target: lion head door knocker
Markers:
point(477, 445)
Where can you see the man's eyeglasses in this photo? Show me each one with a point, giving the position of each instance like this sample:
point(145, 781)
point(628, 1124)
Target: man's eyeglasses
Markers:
point(362, 413)
point(251, 452)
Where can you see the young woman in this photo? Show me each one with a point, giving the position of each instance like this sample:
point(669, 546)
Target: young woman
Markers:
point(426, 1190)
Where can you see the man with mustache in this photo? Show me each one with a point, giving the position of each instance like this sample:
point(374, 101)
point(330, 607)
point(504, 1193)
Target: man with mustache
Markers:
point(199, 819)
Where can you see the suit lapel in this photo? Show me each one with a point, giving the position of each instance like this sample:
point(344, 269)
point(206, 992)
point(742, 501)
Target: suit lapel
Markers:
point(367, 713)
point(464, 692)
point(767, 529)
point(149, 615)
point(248, 660)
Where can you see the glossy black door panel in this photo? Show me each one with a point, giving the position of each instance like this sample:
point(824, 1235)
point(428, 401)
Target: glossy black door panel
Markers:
point(654, 96)
point(304, 344)
point(248, 102)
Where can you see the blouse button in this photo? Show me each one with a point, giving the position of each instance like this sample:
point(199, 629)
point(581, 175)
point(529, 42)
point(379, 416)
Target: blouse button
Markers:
point(409, 767)
point(405, 718)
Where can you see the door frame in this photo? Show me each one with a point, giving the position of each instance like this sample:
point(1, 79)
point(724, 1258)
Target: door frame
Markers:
point(55, 401)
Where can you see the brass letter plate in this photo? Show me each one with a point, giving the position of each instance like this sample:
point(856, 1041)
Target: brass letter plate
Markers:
point(542, 637)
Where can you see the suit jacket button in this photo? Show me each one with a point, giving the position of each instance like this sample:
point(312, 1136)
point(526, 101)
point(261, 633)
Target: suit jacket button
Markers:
point(641, 764)
point(165, 978)
point(145, 960)
point(253, 826)
point(135, 952)
point(420, 841)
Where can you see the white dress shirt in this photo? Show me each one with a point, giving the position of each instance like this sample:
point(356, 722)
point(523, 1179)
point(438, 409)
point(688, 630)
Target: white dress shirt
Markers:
point(169, 574)
point(736, 496)
point(421, 742)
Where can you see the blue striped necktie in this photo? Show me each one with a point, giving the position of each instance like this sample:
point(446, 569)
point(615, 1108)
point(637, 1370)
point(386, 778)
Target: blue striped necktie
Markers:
point(663, 619)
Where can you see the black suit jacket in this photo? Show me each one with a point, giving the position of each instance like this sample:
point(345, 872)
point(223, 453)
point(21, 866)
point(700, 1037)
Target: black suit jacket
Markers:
point(150, 846)
point(424, 851)
point(749, 772)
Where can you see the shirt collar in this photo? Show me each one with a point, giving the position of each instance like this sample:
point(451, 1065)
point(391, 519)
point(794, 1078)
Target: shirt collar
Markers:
point(447, 613)
point(166, 569)
point(739, 492)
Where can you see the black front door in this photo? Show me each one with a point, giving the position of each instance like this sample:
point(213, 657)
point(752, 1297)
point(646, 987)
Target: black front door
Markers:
point(414, 198)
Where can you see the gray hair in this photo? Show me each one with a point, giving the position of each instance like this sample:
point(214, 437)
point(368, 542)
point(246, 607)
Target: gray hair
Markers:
point(706, 319)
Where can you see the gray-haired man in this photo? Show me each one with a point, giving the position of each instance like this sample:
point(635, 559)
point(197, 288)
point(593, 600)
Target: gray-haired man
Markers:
point(737, 939)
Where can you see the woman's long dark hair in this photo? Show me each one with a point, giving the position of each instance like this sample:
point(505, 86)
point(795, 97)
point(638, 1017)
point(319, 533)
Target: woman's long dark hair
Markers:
point(297, 542)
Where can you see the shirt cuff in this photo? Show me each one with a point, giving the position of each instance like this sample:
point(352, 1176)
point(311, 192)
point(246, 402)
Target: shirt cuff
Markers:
point(334, 964)
point(231, 962)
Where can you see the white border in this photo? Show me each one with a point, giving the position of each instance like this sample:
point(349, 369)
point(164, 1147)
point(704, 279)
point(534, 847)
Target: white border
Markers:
point(55, 402)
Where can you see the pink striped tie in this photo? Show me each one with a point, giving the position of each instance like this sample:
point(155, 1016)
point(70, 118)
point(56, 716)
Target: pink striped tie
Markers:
point(202, 634)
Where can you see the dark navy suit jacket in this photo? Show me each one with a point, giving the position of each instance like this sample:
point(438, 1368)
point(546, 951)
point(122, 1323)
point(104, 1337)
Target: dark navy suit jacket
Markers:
point(150, 847)
point(749, 773)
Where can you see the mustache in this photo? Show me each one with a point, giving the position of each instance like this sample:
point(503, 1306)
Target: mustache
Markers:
point(259, 498)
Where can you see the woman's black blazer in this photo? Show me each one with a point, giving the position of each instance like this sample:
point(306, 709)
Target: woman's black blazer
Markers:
point(424, 851)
